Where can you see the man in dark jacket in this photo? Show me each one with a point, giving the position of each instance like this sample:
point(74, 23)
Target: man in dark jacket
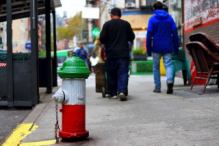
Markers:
point(115, 36)
point(162, 40)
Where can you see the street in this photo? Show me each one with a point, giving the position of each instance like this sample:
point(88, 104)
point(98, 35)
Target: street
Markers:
point(9, 118)
point(36, 35)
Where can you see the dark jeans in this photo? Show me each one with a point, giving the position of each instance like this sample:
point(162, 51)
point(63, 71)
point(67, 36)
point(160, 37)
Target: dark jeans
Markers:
point(117, 75)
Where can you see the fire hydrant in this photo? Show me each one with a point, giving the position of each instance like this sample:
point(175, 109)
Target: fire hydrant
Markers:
point(72, 97)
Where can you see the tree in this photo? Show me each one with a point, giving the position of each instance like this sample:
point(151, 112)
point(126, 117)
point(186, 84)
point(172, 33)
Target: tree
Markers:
point(73, 28)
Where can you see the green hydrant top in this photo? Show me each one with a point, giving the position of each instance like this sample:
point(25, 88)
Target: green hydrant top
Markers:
point(73, 67)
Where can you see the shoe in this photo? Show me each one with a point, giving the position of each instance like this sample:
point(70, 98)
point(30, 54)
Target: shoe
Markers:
point(157, 90)
point(114, 97)
point(122, 96)
point(169, 88)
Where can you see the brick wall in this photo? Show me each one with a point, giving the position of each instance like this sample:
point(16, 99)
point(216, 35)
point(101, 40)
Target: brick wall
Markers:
point(211, 30)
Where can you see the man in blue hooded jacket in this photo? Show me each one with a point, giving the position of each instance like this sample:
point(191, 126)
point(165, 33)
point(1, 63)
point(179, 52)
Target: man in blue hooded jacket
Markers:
point(162, 41)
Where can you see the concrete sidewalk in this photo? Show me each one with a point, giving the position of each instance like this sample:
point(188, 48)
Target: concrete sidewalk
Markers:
point(181, 119)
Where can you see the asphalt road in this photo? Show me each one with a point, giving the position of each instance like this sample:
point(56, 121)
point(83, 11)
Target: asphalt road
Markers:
point(9, 119)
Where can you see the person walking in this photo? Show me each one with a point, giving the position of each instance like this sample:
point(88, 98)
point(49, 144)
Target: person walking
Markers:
point(82, 53)
point(115, 35)
point(94, 59)
point(162, 41)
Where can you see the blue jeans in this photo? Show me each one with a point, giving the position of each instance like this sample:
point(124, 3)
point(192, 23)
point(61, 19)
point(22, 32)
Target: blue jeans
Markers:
point(117, 75)
point(167, 60)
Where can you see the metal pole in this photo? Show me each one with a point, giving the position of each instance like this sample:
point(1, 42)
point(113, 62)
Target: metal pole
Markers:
point(48, 49)
point(34, 51)
point(90, 37)
point(114, 3)
point(55, 48)
point(9, 56)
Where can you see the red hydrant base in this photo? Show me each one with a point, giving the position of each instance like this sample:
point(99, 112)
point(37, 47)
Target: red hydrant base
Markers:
point(74, 134)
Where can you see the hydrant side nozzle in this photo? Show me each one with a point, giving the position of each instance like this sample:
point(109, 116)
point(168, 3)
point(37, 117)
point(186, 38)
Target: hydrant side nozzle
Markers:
point(59, 96)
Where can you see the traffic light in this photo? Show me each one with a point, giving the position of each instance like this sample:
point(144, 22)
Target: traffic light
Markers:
point(95, 32)
point(70, 45)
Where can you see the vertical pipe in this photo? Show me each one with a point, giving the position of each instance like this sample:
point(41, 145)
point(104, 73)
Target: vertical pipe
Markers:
point(9, 56)
point(48, 48)
point(34, 51)
point(183, 23)
point(81, 29)
point(55, 47)
point(90, 38)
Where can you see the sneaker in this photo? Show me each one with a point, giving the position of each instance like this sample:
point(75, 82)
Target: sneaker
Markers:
point(122, 96)
point(169, 88)
point(157, 90)
point(114, 97)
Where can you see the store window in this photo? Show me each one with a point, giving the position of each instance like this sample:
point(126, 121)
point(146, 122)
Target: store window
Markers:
point(175, 10)
point(140, 40)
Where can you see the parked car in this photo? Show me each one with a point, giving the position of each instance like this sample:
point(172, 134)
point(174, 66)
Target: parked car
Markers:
point(62, 55)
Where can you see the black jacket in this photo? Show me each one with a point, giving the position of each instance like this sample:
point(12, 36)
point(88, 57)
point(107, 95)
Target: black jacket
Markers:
point(115, 35)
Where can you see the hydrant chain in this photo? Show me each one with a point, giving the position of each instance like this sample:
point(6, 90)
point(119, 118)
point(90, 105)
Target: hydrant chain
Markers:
point(57, 124)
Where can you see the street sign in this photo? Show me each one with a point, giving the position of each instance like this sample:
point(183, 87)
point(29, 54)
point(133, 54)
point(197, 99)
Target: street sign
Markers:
point(91, 45)
point(95, 32)
point(85, 34)
point(28, 45)
point(90, 13)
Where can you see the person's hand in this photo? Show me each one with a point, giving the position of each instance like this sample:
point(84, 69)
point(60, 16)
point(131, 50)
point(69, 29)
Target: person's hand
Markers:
point(83, 54)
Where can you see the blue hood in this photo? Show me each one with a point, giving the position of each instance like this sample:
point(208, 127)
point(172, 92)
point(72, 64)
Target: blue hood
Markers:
point(161, 14)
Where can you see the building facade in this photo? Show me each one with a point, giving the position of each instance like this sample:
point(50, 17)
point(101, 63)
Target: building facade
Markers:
point(20, 35)
point(136, 12)
point(3, 33)
point(201, 16)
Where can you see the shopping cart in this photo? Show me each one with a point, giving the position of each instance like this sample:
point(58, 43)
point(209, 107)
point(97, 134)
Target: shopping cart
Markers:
point(101, 79)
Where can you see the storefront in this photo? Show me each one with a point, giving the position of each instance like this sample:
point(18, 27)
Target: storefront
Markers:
point(139, 22)
point(201, 16)
point(193, 16)
point(176, 11)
